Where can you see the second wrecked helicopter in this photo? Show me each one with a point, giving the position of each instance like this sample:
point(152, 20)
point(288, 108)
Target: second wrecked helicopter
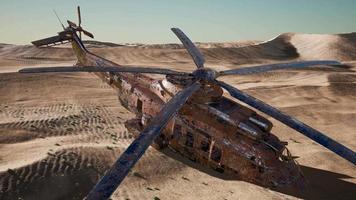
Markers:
point(188, 113)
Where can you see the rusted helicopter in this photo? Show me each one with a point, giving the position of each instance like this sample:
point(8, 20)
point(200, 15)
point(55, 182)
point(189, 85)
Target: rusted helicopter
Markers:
point(188, 113)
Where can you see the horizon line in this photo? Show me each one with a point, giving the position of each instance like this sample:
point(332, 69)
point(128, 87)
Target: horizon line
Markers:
point(207, 42)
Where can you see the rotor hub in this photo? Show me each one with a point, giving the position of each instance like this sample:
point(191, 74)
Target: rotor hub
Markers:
point(205, 74)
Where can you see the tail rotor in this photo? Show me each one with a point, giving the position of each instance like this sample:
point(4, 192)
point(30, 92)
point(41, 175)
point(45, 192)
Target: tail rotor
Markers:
point(79, 21)
point(79, 27)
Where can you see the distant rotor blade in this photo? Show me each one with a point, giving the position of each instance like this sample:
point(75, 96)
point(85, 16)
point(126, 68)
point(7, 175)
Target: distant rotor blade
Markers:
point(112, 179)
point(127, 69)
point(79, 16)
point(59, 19)
point(87, 33)
point(295, 124)
point(277, 66)
point(191, 48)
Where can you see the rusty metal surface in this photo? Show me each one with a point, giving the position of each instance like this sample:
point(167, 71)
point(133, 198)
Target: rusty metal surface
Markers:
point(297, 125)
point(207, 116)
point(110, 181)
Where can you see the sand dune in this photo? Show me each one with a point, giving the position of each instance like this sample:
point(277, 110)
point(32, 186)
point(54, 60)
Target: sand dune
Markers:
point(60, 132)
point(287, 46)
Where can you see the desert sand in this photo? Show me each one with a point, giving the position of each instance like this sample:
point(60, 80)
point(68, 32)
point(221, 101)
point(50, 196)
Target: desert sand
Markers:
point(59, 133)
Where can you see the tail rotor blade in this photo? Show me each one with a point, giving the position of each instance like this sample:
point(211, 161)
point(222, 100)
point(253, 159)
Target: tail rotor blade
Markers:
point(87, 33)
point(293, 123)
point(79, 16)
point(191, 48)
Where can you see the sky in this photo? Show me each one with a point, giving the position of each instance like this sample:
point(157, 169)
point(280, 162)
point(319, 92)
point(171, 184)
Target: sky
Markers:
point(149, 21)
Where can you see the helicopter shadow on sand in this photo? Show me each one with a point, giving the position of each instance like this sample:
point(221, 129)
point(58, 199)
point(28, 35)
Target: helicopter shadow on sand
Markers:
point(321, 184)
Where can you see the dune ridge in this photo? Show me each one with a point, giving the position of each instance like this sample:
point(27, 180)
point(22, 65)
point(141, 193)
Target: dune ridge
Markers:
point(288, 46)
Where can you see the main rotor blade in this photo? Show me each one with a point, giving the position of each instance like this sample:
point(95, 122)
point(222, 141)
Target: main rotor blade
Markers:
point(112, 179)
point(191, 48)
point(128, 69)
point(277, 66)
point(295, 124)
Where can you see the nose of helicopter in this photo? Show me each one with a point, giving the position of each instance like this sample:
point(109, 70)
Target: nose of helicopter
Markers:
point(288, 176)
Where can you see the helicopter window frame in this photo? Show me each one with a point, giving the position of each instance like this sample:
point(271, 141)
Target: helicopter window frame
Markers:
point(215, 153)
point(204, 145)
point(189, 139)
point(177, 130)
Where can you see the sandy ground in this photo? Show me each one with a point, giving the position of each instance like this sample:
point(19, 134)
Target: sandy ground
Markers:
point(60, 132)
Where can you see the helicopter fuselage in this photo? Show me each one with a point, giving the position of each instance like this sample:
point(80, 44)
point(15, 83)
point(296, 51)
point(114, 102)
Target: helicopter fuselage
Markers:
point(210, 129)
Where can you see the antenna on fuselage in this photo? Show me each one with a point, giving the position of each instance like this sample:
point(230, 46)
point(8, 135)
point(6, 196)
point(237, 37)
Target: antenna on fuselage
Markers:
point(59, 19)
